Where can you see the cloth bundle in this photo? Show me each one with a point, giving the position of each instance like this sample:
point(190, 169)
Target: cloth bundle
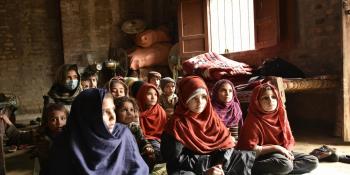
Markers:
point(157, 54)
point(213, 66)
point(149, 37)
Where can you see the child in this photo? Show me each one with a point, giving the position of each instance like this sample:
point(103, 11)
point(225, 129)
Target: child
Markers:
point(65, 88)
point(266, 130)
point(168, 98)
point(195, 141)
point(227, 106)
point(152, 116)
point(154, 77)
point(117, 87)
point(93, 143)
point(89, 78)
point(127, 113)
point(53, 123)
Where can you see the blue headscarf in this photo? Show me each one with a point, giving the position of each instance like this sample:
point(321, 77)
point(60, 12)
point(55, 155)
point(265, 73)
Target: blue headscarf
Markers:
point(87, 147)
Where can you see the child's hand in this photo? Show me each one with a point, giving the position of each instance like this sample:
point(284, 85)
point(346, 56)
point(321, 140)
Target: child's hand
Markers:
point(149, 150)
point(4, 116)
point(215, 170)
point(169, 112)
point(285, 152)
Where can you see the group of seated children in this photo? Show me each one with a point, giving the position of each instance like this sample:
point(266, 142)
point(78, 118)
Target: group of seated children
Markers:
point(193, 132)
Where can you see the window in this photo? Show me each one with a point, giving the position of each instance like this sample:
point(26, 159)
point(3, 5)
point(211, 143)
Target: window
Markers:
point(231, 25)
point(227, 25)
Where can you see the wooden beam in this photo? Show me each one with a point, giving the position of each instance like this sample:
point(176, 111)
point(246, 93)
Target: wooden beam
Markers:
point(346, 72)
point(278, 83)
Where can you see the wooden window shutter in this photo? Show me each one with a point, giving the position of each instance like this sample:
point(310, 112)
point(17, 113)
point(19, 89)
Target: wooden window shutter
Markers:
point(267, 29)
point(193, 27)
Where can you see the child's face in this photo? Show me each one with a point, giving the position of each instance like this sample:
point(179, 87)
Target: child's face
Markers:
point(117, 90)
point(57, 121)
point(225, 93)
point(155, 81)
point(108, 113)
point(72, 75)
point(268, 101)
point(93, 81)
point(85, 84)
point(151, 97)
point(198, 103)
point(169, 89)
point(126, 114)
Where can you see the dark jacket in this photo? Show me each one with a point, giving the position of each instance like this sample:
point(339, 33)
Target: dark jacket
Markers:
point(181, 160)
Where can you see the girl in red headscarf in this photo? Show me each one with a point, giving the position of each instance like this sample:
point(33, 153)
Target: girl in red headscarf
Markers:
point(266, 130)
point(195, 141)
point(152, 117)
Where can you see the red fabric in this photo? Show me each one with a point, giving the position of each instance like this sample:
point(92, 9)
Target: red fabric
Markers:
point(152, 120)
point(201, 133)
point(212, 66)
point(149, 37)
point(263, 128)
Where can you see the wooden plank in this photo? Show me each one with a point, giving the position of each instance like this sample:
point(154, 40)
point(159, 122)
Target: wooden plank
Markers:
point(193, 27)
point(278, 83)
point(345, 112)
point(266, 23)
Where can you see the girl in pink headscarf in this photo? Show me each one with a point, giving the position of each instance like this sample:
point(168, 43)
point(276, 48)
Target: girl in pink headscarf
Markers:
point(227, 106)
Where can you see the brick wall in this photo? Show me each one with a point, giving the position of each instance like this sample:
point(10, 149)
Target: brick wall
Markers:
point(310, 37)
point(29, 50)
point(31, 41)
point(91, 27)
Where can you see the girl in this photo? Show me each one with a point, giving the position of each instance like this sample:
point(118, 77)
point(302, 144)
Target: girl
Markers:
point(127, 113)
point(66, 86)
point(152, 116)
point(117, 87)
point(195, 141)
point(266, 130)
point(227, 106)
point(93, 143)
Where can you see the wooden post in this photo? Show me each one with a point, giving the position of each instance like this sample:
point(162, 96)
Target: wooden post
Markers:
point(345, 111)
point(278, 83)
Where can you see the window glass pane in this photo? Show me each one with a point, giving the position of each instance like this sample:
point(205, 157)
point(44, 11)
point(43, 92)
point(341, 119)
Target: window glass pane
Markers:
point(231, 25)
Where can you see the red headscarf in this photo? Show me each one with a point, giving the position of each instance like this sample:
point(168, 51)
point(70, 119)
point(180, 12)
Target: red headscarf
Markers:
point(201, 133)
point(265, 128)
point(153, 119)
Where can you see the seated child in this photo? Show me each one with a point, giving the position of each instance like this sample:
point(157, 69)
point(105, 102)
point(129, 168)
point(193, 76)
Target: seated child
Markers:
point(195, 141)
point(127, 113)
point(93, 143)
point(152, 116)
point(168, 98)
point(117, 87)
point(225, 102)
point(65, 88)
point(89, 78)
point(266, 130)
point(154, 77)
point(53, 122)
